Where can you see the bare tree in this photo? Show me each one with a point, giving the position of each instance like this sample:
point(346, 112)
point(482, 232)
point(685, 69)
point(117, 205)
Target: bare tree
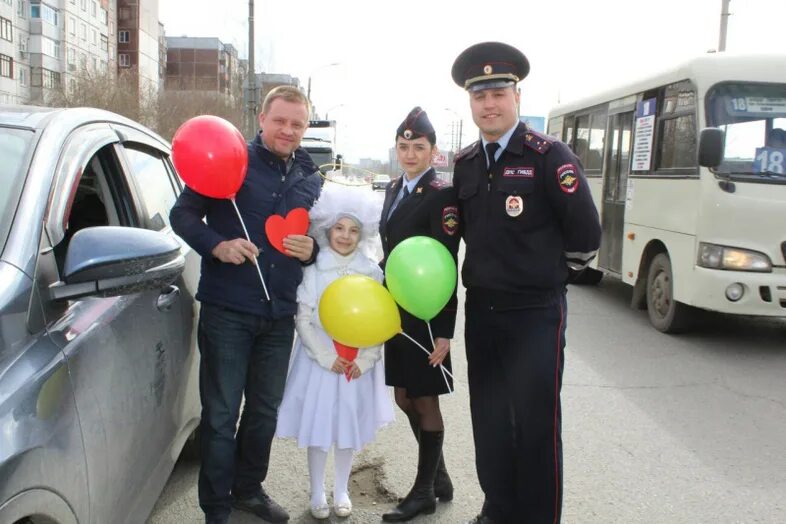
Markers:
point(175, 107)
point(133, 97)
point(103, 89)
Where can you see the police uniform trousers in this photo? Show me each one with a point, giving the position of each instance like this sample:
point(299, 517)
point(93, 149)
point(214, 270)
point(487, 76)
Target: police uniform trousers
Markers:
point(515, 361)
point(407, 366)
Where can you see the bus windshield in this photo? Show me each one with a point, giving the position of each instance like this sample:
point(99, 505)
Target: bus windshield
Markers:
point(753, 117)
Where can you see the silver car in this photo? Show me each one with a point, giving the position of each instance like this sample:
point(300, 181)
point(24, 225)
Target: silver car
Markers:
point(98, 366)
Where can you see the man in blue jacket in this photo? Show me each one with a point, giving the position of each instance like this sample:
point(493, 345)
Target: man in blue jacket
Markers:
point(245, 338)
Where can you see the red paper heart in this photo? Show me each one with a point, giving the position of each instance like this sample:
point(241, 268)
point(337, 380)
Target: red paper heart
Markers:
point(346, 352)
point(277, 227)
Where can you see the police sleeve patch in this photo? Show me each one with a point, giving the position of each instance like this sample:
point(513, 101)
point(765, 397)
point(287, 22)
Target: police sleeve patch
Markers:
point(450, 220)
point(567, 178)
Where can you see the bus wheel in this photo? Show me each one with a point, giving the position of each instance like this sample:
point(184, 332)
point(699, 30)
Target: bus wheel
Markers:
point(666, 314)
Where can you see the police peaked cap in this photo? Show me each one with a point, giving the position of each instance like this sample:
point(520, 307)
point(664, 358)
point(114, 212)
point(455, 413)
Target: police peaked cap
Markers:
point(488, 65)
point(417, 125)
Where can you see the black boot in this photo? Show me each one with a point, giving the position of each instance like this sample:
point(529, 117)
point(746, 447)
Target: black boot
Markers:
point(421, 497)
point(443, 487)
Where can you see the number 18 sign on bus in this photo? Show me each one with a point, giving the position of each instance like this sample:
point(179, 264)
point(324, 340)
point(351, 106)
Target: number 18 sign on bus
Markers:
point(769, 160)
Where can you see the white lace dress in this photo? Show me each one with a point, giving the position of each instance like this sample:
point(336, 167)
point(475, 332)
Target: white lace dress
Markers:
point(320, 408)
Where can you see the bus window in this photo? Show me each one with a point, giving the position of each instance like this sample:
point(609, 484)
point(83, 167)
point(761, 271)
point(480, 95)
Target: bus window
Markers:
point(678, 142)
point(677, 146)
point(594, 158)
point(570, 123)
point(581, 142)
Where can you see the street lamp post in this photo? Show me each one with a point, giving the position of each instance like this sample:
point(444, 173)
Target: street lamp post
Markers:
point(331, 109)
point(724, 22)
point(461, 126)
point(308, 89)
point(252, 77)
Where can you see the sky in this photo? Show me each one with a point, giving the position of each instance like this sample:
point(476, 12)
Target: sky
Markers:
point(392, 56)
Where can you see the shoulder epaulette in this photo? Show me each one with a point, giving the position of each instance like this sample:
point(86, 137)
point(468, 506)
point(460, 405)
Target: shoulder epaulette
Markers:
point(538, 141)
point(438, 183)
point(468, 151)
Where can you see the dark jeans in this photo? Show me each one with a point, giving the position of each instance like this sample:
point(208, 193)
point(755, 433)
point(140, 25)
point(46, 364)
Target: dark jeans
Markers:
point(241, 354)
point(514, 362)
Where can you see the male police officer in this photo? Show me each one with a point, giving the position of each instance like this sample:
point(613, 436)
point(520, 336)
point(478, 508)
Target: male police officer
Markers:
point(528, 221)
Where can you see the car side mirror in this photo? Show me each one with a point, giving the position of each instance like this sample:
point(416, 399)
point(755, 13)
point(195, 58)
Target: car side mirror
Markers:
point(108, 261)
point(711, 147)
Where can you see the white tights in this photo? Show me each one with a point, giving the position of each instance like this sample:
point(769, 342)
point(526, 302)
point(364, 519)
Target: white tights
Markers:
point(317, 458)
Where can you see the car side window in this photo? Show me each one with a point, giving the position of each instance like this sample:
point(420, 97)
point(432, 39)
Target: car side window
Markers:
point(100, 199)
point(154, 184)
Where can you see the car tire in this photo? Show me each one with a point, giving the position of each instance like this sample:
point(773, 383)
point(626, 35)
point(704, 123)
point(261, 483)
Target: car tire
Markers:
point(665, 314)
point(191, 449)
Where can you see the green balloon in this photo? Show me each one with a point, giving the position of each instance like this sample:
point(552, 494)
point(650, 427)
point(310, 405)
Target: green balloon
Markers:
point(420, 273)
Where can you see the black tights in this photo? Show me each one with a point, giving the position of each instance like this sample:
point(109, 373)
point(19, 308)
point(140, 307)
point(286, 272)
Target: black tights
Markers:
point(424, 411)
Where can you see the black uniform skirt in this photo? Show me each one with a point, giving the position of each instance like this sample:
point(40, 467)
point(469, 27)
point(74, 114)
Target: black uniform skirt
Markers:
point(407, 366)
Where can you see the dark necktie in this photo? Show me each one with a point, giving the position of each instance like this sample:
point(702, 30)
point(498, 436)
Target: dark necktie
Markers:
point(491, 150)
point(401, 196)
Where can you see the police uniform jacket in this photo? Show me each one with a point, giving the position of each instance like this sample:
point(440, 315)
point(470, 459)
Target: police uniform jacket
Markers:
point(527, 221)
point(429, 210)
point(271, 186)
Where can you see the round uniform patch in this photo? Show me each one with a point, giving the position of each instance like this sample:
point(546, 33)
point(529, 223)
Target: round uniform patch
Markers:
point(567, 178)
point(487, 69)
point(514, 206)
point(408, 134)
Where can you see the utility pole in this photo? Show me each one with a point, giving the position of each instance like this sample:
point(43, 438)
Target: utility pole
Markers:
point(724, 22)
point(252, 76)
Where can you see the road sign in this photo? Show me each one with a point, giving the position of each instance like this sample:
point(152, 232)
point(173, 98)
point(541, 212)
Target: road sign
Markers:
point(440, 160)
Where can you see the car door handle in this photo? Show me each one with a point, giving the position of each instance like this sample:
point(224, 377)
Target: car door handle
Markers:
point(167, 298)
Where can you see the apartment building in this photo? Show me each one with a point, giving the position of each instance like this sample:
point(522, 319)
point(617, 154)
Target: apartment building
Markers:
point(46, 43)
point(139, 42)
point(203, 64)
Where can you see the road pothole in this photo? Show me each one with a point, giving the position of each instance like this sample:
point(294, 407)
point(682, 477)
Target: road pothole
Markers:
point(366, 486)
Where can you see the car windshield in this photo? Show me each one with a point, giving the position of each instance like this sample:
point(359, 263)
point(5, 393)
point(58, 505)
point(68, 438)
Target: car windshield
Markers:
point(753, 117)
point(14, 144)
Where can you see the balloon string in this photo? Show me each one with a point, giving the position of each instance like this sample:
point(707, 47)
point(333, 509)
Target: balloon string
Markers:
point(441, 367)
point(418, 344)
point(256, 263)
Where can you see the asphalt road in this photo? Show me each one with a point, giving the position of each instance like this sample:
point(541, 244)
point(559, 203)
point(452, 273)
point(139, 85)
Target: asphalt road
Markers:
point(656, 429)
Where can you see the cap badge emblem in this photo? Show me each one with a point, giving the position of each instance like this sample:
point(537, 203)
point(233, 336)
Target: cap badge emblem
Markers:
point(487, 69)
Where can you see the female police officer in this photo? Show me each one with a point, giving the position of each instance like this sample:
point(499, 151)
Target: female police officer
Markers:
point(417, 204)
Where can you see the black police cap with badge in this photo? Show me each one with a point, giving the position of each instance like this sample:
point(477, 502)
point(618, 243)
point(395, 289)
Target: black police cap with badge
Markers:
point(489, 65)
point(417, 125)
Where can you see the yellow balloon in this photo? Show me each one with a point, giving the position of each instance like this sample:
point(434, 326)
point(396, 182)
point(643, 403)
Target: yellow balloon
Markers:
point(358, 311)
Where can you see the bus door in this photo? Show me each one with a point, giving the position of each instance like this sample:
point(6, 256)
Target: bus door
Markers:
point(615, 182)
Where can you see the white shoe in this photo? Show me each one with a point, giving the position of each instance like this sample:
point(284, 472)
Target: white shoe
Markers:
point(320, 511)
point(343, 509)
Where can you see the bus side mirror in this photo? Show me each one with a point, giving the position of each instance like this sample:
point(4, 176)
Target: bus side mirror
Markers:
point(711, 147)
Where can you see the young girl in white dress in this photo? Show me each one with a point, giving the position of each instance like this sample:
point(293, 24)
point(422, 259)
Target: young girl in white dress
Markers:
point(321, 408)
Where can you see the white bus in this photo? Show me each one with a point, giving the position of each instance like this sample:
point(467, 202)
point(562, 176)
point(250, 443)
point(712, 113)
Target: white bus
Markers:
point(687, 170)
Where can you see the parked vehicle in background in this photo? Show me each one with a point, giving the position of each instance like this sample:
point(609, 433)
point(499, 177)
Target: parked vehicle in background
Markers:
point(98, 368)
point(320, 142)
point(380, 182)
point(684, 223)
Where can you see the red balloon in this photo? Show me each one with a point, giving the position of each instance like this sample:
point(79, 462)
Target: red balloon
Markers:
point(211, 156)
